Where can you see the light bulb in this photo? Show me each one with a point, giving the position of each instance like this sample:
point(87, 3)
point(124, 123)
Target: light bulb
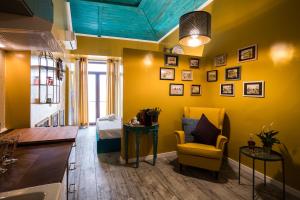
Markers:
point(193, 41)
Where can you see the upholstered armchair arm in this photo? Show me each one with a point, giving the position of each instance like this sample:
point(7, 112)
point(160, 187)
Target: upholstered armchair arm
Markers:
point(180, 137)
point(221, 141)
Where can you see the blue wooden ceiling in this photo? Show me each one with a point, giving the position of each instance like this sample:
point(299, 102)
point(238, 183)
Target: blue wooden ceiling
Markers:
point(134, 19)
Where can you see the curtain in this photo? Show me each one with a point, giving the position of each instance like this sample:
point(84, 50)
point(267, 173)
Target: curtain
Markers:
point(113, 82)
point(83, 93)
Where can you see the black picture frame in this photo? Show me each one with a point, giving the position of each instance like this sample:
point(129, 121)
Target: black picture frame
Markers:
point(248, 53)
point(227, 89)
point(233, 73)
point(209, 77)
point(173, 63)
point(166, 68)
point(254, 89)
point(176, 94)
point(196, 93)
point(220, 60)
point(194, 63)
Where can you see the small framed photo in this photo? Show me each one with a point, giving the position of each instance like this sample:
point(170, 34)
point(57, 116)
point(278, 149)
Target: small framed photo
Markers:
point(195, 90)
point(227, 89)
point(212, 76)
point(247, 53)
point(233, 73)
point(194, 63)
point(220, 60)
point(167, 73)
point(254, 89)
point(186, 75)
point(171, 60)
point(176, 89)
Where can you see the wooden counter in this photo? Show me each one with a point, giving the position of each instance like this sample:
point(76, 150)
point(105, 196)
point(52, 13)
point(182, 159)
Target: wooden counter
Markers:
point(37, 165)
point(43, 135)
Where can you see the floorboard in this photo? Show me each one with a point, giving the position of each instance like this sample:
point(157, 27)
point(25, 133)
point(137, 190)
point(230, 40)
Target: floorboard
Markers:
point(102, 177)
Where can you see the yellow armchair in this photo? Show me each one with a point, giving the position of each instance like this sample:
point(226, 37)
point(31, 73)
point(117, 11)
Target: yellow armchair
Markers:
point(202, 155)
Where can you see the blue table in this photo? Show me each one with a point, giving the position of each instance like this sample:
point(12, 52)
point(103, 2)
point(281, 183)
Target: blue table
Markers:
point(138, 130)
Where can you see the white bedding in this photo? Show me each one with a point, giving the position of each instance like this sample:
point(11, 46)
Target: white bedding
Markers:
point(103, 127)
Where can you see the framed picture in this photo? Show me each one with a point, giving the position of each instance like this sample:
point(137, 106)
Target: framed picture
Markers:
point(227, 89)
point(254, 89)
point(171, 60)
point(167, 73)
point(220, 60)
point(233, 73)
point(186, 75)
point(194, 63)
point(176, 89)
point(212, 76)
point(195, 90)
point(247, 53)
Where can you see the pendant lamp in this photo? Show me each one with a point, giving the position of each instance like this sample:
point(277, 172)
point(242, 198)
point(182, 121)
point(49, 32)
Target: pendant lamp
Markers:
point(195, 28)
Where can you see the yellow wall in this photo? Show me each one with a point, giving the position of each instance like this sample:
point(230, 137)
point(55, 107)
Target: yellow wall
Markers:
point(2, 89)
point(17, 89)
point(265, 23)
point(143, 88)
point(109, 47)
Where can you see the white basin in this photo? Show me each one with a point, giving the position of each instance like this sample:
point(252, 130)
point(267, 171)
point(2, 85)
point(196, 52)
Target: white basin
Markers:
point(41, 192)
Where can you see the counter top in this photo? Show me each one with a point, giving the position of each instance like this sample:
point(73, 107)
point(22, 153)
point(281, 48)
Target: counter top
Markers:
point(43, 135)
point(37, 165)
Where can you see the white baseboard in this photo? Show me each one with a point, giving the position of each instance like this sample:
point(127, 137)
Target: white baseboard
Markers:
point(3, 129)
point(148, 157)
point(235, 166)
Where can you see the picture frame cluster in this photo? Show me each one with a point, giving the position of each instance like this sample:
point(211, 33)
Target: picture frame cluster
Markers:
point(171, 61)
point(250, 88)
point(233, 73)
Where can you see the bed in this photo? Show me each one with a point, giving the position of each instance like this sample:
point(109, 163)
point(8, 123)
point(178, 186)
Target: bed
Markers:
point(108, 134)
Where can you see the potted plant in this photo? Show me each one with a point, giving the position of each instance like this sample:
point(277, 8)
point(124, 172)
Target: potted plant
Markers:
point(154, 112)
point(268, 139)
point(148, 116)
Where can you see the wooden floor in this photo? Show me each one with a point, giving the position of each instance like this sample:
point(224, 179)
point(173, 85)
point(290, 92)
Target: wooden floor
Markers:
point(103, 177)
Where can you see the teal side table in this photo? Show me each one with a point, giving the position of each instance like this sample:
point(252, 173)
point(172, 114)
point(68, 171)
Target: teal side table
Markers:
point(138, 130)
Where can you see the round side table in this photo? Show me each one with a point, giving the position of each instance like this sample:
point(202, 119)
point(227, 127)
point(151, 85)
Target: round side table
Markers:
point(258, 154)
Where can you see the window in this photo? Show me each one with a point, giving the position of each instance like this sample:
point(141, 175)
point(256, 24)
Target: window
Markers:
point(97, 90)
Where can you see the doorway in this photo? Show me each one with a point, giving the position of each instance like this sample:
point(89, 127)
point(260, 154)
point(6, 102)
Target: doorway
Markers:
point(97, 90)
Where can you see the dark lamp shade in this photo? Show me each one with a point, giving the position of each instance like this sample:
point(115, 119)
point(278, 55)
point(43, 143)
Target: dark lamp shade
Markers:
point(195, 28)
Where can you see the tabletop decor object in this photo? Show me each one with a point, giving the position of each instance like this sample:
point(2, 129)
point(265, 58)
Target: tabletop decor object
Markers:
point(251, 142)
point(148, 116)
point(268, 139)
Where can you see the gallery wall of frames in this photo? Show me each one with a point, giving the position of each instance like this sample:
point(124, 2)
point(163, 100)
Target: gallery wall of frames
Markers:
point(251, 88)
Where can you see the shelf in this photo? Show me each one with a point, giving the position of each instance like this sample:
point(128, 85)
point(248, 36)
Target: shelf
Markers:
point(45, 67)
point(44, 103)
point(43, 85)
